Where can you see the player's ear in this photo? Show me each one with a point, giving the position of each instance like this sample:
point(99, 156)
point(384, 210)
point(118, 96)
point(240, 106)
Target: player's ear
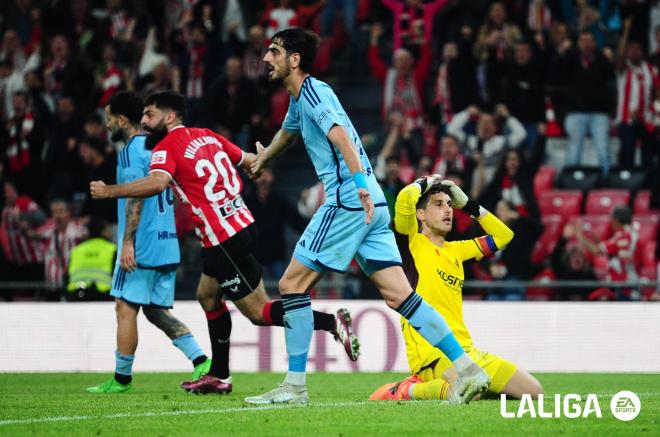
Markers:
point(295, 60)
point(170, 117)
point(421, 216)
point(122, 120)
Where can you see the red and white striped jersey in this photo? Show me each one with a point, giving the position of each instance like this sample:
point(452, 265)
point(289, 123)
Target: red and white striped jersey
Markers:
point(58, 247)
point(620, 250)
point(635, 88)
point(201, 165)
point(22, 249)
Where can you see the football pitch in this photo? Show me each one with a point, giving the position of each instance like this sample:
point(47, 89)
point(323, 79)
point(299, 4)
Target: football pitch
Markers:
point(57, 404)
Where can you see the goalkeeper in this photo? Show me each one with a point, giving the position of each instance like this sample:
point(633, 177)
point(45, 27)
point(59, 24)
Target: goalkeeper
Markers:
point(435, 269)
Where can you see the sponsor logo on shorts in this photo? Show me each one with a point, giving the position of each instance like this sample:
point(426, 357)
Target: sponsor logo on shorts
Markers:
point(229, 282)
point(159, 157)
point(164, 235)
point(625, 406)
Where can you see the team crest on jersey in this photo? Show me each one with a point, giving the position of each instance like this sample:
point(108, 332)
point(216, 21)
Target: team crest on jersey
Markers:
point(159, 157)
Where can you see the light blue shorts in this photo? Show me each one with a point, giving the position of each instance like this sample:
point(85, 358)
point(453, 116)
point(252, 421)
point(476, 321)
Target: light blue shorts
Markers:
point(148, 287)
point(335, 236)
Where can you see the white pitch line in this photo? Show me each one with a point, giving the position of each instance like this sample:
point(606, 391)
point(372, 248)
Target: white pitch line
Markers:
point(175, 413)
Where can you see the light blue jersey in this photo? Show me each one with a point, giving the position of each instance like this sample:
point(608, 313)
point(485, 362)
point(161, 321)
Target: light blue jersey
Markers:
point(337, 233)
point(315, 112)
point(156, 243)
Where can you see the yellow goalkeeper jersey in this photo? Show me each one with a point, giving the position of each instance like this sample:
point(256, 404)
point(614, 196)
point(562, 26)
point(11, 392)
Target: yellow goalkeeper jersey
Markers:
point(436, 272)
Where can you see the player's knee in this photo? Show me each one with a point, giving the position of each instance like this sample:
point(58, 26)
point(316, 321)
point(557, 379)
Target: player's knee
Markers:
point(207, 300)
point(123, 309)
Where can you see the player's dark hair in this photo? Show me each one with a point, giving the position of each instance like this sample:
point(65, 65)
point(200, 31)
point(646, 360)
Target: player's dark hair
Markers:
point(128, 104)
point(622, 214)
point(435, 189)
point(301, 41)
point(169, 100)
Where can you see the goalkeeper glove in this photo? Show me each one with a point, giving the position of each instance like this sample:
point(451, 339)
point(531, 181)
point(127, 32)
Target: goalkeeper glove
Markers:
point(426, 182)
point(459, 199)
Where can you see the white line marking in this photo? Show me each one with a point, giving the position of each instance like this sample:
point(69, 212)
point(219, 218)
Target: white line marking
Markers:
point(177, 413)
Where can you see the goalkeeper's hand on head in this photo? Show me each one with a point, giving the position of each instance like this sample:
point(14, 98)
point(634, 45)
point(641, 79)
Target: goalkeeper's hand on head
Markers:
point(459, 199)
point(426, 182)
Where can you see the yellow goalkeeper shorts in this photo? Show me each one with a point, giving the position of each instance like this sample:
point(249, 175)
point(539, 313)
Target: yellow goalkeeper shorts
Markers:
point(500, 370)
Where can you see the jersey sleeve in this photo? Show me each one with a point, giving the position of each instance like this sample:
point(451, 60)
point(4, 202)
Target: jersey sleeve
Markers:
point(318, 107)
point(498, 236)
point(405, 218)
point(612, 246)
point(233, 151)
point(163, 159)
point(291, 120)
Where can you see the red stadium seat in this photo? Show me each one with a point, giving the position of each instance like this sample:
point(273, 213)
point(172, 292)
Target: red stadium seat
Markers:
point(642, 202)
point(602, 201)
point(279, 104)
point(646, 226)
point(646, 254)
point(595, 226)
point(544, 179)
point(566, 203)
point(542, 293)
point(552, 227)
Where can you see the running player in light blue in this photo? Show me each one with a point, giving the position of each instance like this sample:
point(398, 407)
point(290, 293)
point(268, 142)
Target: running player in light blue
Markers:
point(339, 231)
point(145, 272)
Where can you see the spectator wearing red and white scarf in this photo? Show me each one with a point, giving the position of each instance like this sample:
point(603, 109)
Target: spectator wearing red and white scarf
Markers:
point(112, 77)
point(19, 129)
point(59, 235)
point(638, 85)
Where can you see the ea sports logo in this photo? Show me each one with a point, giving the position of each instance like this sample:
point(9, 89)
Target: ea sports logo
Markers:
point(625, 405)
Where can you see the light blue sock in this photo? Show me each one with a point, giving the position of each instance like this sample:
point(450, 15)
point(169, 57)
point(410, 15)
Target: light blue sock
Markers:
point(124, 364)
point(430, 325)
point(188, 345)
point(298, 330)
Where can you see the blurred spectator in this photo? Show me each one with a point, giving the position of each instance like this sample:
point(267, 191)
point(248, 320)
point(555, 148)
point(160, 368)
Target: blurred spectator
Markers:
point(272, 213)
point(25, 255)
point(413, 21)
point(452, 160)
point(62, 161)
point(539, 16)
point(619, 249)
point(349, 9)
point(513, 262)
point(109, 78)
point(589, 20)
point(522, 90)
point(231, 104)
point(282, 14)
point(638, 87)
point(403, 89)
point(60, 235)
point(13, 80)
point(94, 128)
point(655, 52)
point(97, 166)
point(513, 182)
point(456, 83)
point(570, 263)
point(495, 42)
point(311, 200)
point(587, 76)
point(486, 147)
point(91, 264)
point(233, 24)
point(254, 67)
point(65, 75)
point(388, 164)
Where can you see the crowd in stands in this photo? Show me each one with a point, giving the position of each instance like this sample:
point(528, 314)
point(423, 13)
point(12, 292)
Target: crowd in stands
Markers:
point(475, 90)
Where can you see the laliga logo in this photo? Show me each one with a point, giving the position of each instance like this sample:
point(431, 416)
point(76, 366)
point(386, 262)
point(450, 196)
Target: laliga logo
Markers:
point(625, 406)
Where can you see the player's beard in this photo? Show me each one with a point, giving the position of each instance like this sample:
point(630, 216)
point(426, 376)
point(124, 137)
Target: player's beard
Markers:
point(281, 75)
point(155, 136)
point(117, 135)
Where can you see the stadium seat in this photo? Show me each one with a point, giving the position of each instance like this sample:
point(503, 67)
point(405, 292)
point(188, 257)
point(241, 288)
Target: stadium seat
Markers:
point(566, 203)
point(544, 179)
point(602, 201)
point(642, 203)
point(596, 226)
point(579, 178)
point(279, 104)
point(552, 227)
point(646, 226)
point(632, 180)
point(646, 254)
point(542, 293)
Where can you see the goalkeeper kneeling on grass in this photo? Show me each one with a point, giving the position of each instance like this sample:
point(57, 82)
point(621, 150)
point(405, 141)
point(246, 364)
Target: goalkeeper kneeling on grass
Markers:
point(435, 269)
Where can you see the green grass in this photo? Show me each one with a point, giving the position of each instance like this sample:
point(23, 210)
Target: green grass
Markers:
point(38, 403)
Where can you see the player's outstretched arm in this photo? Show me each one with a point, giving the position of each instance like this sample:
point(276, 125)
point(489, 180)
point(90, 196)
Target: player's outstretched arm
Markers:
point(339, 137)
point(282, 139)
point(147, 186)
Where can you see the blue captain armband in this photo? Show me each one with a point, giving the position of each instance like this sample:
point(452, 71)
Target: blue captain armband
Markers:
point(360, 180)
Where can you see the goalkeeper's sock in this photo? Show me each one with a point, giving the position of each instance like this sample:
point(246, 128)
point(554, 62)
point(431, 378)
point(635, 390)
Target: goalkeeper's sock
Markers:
point(273, 314)
point(187, 344)
point(123, 368)
point(431, 390)
point(298, 329)
point(433, 327)
point(219, 323)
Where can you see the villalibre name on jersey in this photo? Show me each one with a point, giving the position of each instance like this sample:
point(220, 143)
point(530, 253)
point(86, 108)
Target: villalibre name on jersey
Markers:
point(198, 143)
